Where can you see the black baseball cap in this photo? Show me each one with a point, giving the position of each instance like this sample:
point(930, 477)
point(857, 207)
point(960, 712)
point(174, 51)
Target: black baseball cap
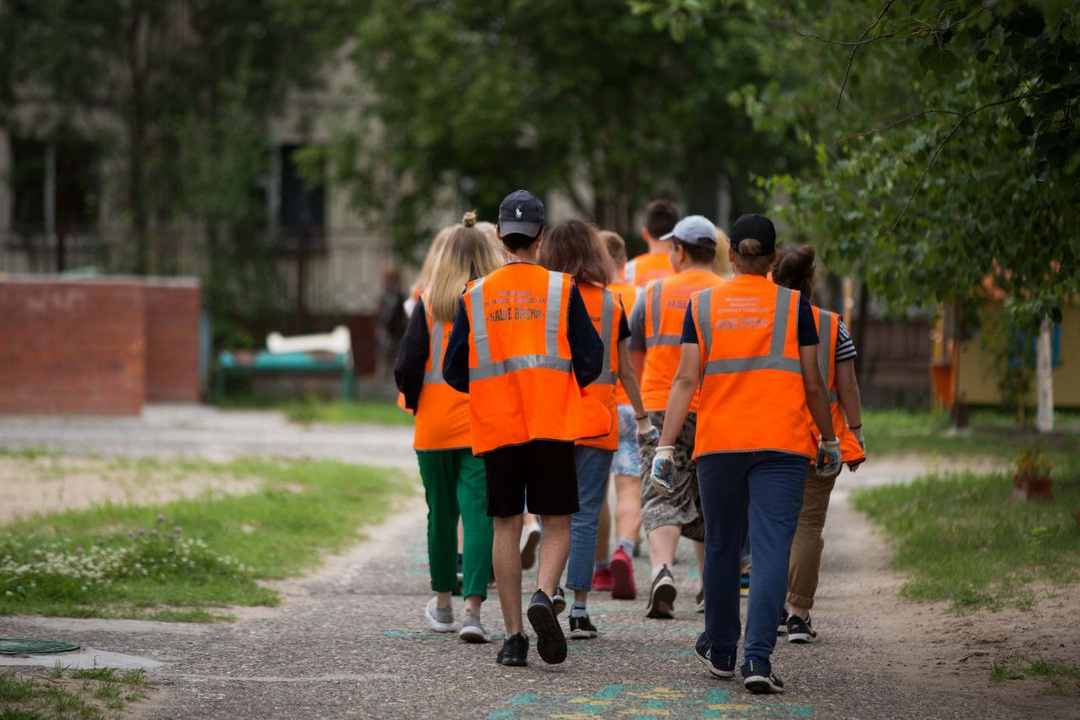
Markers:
point(757, 227)
point(521, 213)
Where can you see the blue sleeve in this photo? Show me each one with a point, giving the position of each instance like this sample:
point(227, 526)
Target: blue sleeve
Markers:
point(807, 328)
point(586, 347)
point(412, 355)
point(455, 367)
point(689, 329)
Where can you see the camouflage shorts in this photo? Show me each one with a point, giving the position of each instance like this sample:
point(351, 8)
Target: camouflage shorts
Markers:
point(684, 506)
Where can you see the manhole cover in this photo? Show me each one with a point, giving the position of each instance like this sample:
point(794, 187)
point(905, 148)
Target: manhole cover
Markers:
point(26, 646)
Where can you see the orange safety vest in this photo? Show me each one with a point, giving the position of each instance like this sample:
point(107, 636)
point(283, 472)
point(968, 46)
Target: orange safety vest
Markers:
point(442, 413)
point(665, 310)
point(521, 380)
point(752, 395)
point(605, 315)
point(627, 293)
point(827, 325)
point(643, 269)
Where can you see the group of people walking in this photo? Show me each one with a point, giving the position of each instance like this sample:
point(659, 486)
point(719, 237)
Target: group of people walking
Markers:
point(723, 408)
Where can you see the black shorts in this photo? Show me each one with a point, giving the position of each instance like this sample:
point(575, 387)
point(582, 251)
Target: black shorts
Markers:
point(542, 470)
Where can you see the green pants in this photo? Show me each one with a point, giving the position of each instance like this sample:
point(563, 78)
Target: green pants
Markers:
point(454, 485)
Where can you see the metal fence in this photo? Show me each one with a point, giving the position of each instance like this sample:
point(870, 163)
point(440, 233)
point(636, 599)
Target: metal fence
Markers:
point(340, 274)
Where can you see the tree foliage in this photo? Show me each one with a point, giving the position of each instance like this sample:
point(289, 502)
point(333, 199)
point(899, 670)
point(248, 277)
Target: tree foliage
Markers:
point(945, 139)
point(582, 98)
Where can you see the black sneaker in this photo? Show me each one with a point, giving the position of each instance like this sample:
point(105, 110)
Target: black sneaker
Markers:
point(800, 631)
point(759, 679)
point(701, 600)
point(782, 630)
point(721, 666)
point(662, 596)
point(514, 652)
point(581, 628)
point(550, 641)
point(558, 600)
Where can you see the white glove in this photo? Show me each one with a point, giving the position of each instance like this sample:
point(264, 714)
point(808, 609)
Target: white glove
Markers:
point(663, 470)
point(828, 458)
point(646, 431)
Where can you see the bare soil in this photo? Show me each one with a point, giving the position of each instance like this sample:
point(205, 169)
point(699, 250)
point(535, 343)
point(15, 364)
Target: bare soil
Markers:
point(30, 486)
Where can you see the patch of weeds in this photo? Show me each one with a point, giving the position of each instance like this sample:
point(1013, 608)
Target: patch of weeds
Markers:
point(82, 694)
point(199, 554)
point(961, 539)
point(1060, 675)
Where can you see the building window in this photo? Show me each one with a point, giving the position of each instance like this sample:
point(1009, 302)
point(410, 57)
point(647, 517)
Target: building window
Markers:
point(302, 210)
point(54, 187)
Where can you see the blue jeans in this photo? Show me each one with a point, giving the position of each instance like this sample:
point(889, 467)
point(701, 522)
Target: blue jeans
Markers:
point(766, 489)
point(593, 466)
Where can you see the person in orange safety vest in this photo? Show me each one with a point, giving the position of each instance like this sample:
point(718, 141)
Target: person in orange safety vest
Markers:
point(656, 327)
point(523, 348)
point(749, 347)
point(794, 269)
point(660, 218)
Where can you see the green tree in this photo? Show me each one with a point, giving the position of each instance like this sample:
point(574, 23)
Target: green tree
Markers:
point(944, 134)
point(577, 97)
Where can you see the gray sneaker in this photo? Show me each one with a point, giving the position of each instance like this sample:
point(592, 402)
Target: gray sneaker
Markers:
point(441, 619)
point(471, 629)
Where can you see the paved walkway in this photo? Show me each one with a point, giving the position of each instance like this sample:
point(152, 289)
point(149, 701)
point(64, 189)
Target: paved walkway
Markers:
point(351, 640)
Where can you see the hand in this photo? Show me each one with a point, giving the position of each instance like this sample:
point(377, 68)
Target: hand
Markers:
point(646, 431)
point(663, 470)
point(828, 458)
point(857, 432)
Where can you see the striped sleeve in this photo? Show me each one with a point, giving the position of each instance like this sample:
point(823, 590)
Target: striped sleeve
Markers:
point(845, 348)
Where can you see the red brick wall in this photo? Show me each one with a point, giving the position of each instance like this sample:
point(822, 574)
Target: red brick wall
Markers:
point(172, 340)
point(72, 346)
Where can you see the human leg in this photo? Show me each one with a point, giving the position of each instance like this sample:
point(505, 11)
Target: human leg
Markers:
point(592, 466)
point(478, 528)
point(775, 483)
point(722, 478)
point(807, 545)
point(505, 476)
point(438, 473)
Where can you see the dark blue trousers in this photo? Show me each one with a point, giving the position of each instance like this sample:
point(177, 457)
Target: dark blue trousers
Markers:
point(766, 490)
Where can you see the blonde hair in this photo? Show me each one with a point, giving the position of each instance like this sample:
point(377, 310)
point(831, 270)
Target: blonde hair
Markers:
point(615, 245)
point(750, 261)
point(424, 280)
point(721, 264)
point(466, 255)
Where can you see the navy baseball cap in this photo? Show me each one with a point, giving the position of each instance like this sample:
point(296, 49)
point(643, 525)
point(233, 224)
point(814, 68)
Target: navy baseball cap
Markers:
point(694, 230)
point(758, 227)
point(522, 213)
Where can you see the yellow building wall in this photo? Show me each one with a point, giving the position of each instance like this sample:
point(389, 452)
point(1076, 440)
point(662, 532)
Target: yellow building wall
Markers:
point(977, 384)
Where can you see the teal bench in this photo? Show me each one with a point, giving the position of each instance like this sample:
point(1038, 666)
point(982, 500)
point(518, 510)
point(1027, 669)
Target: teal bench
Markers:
point(293, 363)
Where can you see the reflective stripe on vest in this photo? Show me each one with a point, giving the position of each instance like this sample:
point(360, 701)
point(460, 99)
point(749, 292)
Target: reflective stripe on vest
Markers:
point(775, 360)
point(655, 338)
point(434, 375)
point(825, 352)
point(486, 369)
point(607, 316)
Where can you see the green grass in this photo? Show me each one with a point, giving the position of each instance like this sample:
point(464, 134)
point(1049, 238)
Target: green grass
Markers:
point(97, 563)
point(991, 434)
point(1061, 677)
point(318, 410)
point(92, 694)
point(962, 540)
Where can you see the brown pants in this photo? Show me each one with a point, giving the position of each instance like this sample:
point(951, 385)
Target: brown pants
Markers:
point(807, 546)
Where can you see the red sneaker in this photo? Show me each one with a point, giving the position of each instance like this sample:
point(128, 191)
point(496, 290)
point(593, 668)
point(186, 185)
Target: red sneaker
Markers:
point(622, 573)
point(602, 581)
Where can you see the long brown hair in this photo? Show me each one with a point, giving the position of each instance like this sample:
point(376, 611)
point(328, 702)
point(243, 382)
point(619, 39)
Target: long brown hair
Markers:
point(575, 247)
point(794, 268)
point(467, 254)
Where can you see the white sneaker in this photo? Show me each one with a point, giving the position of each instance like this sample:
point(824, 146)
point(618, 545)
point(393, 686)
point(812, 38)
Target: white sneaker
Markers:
point(441, 619)
point(530, 538)
point(472, 631)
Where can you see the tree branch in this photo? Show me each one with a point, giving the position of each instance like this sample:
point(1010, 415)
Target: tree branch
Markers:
point(901, 121)
point(830, 41)
point(855, 49)
point(937, 150)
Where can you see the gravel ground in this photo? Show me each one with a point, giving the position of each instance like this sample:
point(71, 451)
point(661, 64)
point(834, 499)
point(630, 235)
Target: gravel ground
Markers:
point(351, 639)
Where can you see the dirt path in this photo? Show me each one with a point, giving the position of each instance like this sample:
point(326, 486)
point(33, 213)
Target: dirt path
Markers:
point(351, 640)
